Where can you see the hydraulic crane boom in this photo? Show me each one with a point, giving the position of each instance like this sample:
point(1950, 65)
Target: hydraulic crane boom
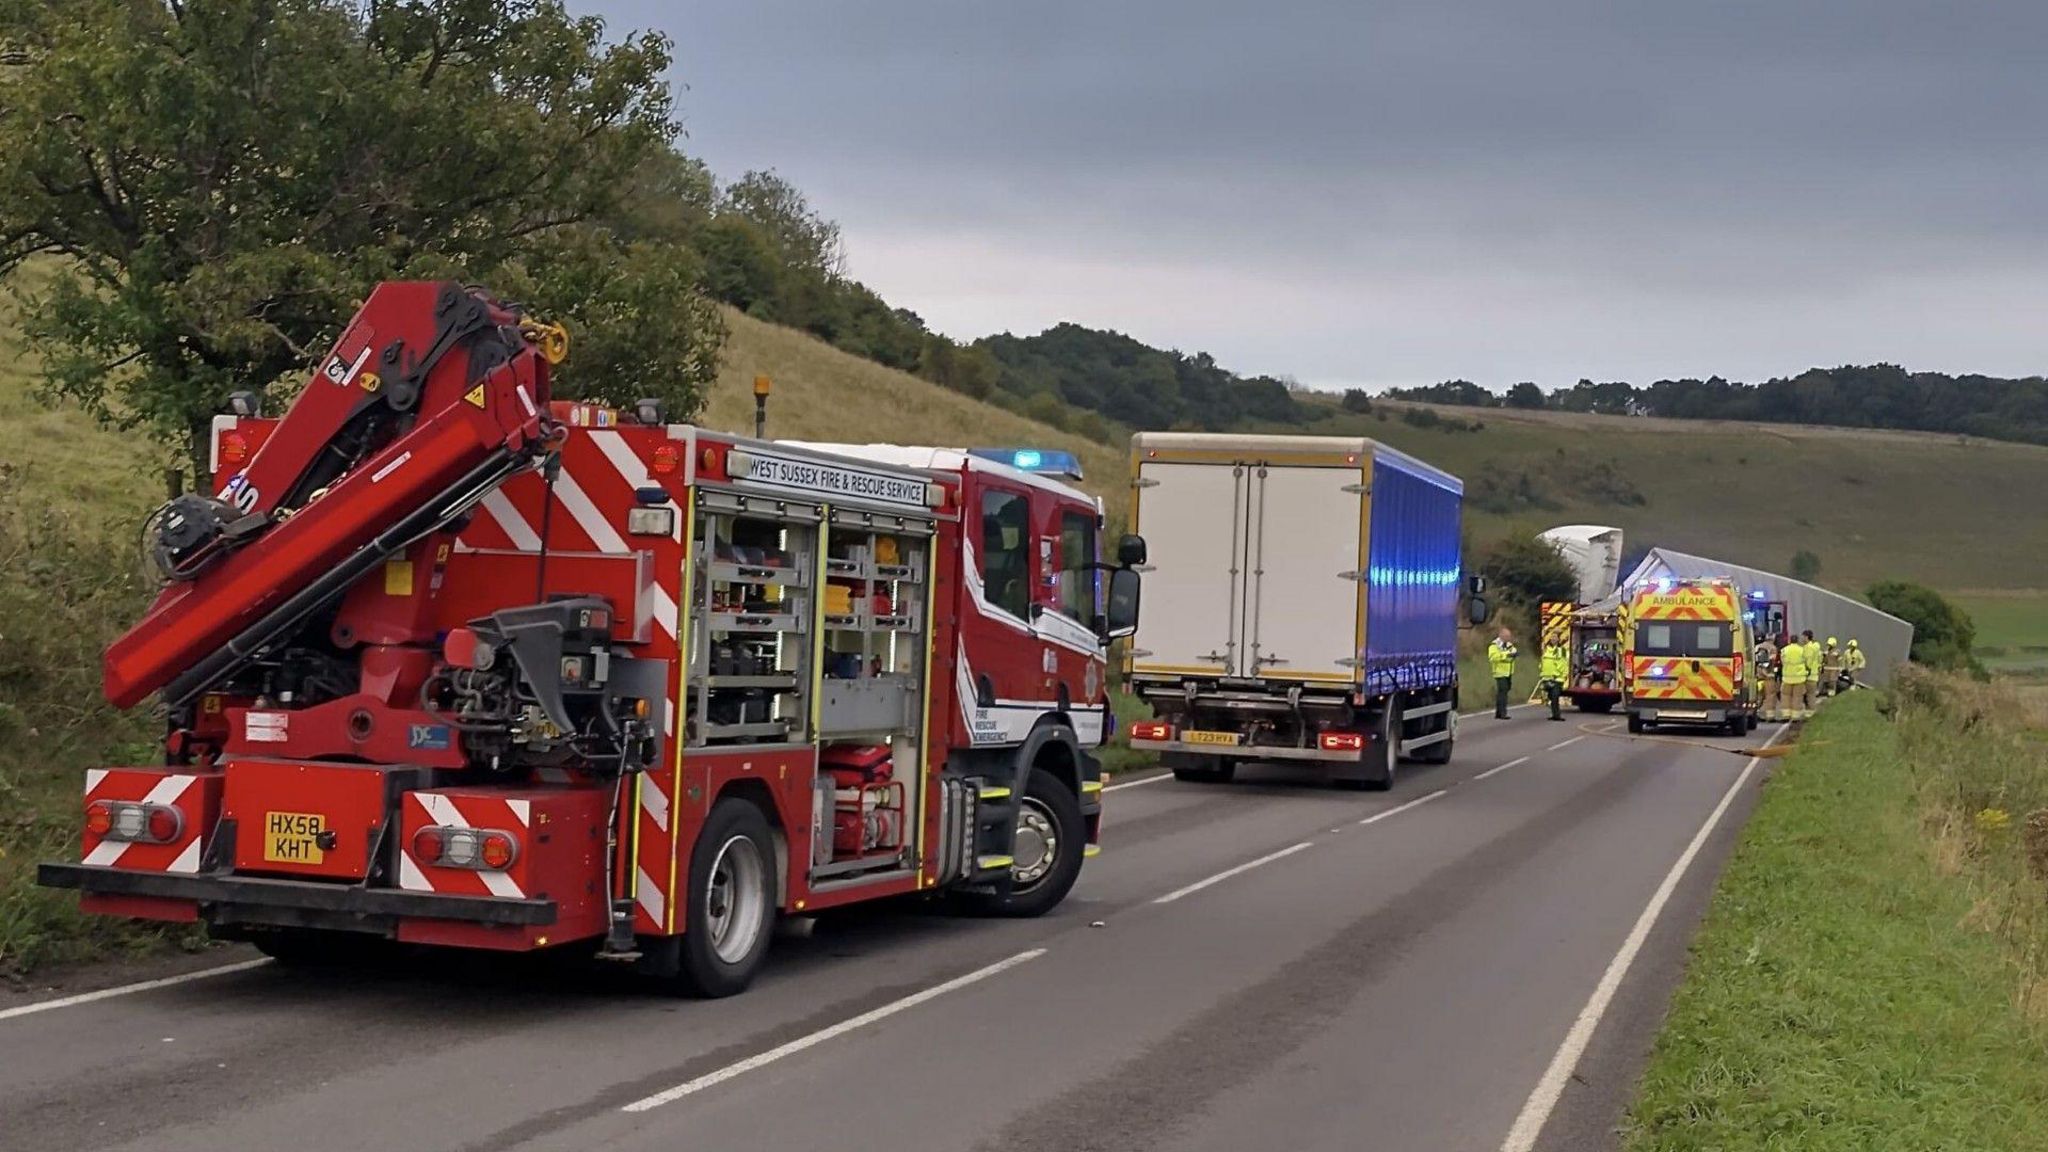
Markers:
point(434, 395)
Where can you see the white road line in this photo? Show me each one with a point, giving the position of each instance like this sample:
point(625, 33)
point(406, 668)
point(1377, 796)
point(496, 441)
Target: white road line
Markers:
point(1501, 767)
point(1227, 873)
point(128, 989)
point(713, 1079)
point(1397, 810)
point(1140, 781)
point(1564, 743)
point(1529, 1125)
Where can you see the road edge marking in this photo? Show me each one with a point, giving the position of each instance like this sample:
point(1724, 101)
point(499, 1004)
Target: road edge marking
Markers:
point(1153, 779)
point(763, 1059)
point(1543, 1100)
point(1227, 873)
point(21, 1010)
point(1564, 743)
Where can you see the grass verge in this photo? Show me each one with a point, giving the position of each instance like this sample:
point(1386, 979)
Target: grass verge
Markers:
point(1863, 977)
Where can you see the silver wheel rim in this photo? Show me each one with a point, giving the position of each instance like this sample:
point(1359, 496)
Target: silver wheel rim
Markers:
point(736, 899)
point(1038, 844)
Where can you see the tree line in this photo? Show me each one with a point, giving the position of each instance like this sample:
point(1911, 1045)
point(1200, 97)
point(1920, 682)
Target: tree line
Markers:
point(1852, 396)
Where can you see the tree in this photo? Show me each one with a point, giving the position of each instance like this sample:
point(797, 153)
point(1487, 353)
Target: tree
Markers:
point(1525, 395)
point(806, 241)
point(222, 181)
point(1526, 570)
point(1805, 566)
point(1357, 400)
point(1943, 634)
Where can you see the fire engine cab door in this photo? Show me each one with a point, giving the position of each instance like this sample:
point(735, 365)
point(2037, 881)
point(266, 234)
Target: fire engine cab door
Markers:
point(1193, 518)
point(1302, 601)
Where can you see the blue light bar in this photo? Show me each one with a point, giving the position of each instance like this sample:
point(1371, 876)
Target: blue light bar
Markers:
point(1043, 461)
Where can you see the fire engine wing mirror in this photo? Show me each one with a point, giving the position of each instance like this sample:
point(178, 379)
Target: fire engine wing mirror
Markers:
point(1121, 619)
point(1130, 553)
point(1477, 610)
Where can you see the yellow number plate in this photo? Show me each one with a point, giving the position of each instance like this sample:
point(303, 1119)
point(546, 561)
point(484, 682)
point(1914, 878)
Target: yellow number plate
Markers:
point(293, 837)
point(1209, 737)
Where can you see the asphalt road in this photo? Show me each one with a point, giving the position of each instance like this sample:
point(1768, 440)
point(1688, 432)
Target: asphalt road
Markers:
point(1392, 971)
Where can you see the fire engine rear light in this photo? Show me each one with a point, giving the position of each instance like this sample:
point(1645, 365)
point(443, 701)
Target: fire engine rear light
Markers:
point(481, 849)
point(136, 823)
point(666, 460)
point(1151, 730)
point(1341, 741)
point(234, 448)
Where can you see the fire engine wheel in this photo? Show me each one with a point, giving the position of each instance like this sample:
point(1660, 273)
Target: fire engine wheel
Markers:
point(732, 901)
point(1051, 839)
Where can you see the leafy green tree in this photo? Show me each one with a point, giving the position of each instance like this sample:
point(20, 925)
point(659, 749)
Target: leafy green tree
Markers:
point(1943, 634)
point(806, 241)
point(1805, 566)
point(1356, 400)
point(1525, 395)
point(222, 181)
point(1525, 570)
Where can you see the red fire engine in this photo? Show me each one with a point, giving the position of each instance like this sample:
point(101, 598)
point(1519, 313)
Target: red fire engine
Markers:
point(449, 663)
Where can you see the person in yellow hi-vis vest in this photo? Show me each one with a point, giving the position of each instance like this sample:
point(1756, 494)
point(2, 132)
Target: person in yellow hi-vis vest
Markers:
point(1812, 648)
point(1500, 660)
point(1554, 670)
point(1854, 661)
point(1797, 681)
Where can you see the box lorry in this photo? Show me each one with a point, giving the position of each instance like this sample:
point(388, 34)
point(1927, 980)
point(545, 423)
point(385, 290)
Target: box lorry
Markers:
point(1302, 604)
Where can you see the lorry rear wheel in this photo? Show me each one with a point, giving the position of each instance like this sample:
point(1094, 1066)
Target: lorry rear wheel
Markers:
point(731, 915)
point(1375, 772)
point(1052, 838)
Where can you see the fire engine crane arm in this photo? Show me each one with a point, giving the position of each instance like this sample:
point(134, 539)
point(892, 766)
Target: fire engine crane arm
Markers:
point(433, 397)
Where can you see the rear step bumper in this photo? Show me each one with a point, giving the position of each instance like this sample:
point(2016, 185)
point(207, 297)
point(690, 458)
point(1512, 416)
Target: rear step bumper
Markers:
point(253, 899)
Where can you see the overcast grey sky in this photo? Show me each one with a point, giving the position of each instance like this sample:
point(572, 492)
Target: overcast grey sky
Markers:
point(1392, 193)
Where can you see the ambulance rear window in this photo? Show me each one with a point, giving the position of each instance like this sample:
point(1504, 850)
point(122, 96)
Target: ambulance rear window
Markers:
point(1683, 638)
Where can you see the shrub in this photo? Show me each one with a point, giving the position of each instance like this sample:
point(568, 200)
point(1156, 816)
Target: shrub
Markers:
point(1943, 634)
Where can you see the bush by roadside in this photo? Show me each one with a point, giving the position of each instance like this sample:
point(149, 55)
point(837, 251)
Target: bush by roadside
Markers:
point(68, 584)
point(1868, 976)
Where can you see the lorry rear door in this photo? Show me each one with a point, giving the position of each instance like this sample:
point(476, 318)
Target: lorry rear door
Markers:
point(1193, 519)
point(1304, 559)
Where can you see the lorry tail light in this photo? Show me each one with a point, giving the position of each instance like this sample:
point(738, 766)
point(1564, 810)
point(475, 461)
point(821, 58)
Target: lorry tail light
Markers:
point(1341, 741)
point(482, 849)
point(1151, 730)
point(135, 823)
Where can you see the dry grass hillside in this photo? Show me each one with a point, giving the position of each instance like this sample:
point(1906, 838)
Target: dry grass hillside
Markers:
point(821, 393)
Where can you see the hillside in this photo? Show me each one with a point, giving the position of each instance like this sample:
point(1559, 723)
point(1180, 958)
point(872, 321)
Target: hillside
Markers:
point(1943, 510)
point(821, 393)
